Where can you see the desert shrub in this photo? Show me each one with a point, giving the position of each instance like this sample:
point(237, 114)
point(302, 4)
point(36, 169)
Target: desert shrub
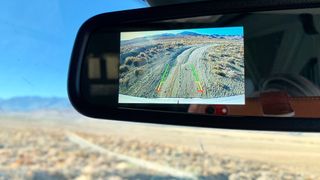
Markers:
point(123, 68)
point(234, 75)
point(139, 71)
point(129, 60)
point(124, 81)
point(139, 62)
point(217, 67)
point(142, 55)
point(153, 51)
point(213, 58)
point(232, 67)
point(169, 48)
point(136, 61)
point(226, 87)
point(225, 55)
point(232, 61)
point(216, 56)
point(223, 74)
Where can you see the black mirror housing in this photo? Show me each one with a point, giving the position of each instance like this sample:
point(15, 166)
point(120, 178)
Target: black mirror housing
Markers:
point(101, 34)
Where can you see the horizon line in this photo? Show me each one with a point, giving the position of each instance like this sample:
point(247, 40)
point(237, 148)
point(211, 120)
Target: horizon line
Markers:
point(33, 96)
point(221, 31)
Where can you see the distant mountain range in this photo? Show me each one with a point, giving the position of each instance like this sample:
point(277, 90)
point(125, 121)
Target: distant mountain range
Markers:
point(182, 34)
point(32, 103)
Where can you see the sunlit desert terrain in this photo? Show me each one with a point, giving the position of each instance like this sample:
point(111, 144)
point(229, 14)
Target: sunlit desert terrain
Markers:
point(183, 65)
point(55, 145)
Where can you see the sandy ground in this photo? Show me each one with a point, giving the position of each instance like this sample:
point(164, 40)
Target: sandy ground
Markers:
point(204, 153)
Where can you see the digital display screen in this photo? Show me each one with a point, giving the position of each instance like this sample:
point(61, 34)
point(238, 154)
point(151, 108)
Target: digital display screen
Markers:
point(185, 66)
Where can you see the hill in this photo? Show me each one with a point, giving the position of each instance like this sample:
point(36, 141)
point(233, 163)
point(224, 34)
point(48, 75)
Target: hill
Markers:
point(32, 103)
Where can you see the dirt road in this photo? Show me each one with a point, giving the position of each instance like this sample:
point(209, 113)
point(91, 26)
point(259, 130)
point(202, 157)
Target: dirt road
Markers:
point(89, 148)
point(205, 70)
point(186, 78)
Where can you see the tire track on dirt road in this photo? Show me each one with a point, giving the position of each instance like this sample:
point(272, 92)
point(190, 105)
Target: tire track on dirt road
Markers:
point(180, 82)
point(138, 162)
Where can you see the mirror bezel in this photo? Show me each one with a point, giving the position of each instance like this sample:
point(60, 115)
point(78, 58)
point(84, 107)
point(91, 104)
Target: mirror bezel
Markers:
point(122, 18)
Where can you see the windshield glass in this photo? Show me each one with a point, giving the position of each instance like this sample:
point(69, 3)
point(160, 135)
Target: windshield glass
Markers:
point(43, 137)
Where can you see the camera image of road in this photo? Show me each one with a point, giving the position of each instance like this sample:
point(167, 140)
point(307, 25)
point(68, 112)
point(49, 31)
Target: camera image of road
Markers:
point(184, 78)
point(184, 65)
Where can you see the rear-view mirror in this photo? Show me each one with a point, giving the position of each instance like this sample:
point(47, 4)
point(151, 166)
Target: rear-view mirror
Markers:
point(222, 64)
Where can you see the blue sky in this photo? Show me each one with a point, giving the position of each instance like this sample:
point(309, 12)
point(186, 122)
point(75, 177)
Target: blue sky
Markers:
point(37, 37)
point(206, 31)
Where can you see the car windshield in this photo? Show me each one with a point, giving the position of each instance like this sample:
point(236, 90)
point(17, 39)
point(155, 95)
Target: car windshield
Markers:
point(43, 137)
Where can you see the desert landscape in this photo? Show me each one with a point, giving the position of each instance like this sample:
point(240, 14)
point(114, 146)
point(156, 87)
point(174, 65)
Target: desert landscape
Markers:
point(183, 65)
point(66, 145)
